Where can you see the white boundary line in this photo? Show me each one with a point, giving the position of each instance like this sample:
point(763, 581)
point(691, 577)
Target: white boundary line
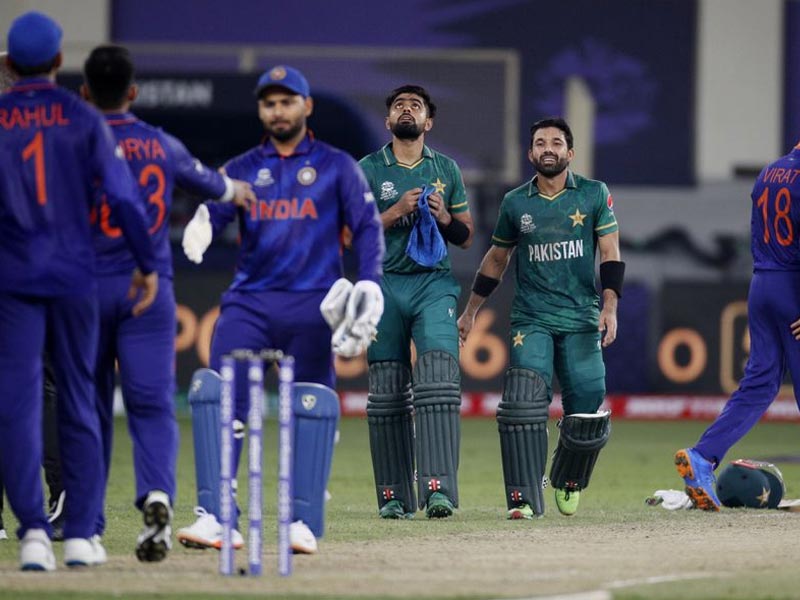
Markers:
point(604, 594)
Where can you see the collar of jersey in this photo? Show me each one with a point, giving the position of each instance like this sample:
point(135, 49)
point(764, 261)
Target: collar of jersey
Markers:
point(304, 147)
point(533, 189)
point(32, 83)
point(123, 118)
point(390, 159)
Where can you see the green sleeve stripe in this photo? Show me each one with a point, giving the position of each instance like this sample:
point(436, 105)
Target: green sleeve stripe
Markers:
point(503, 243)
point(614, 224)
point(464, 203)
point(459, 208)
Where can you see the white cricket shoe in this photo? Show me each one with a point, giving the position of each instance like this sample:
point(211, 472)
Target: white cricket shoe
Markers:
point(301, 540)
point(155, 540)
point(36, 551)
point(84, 552)
point(3, 534)
point(206, 532)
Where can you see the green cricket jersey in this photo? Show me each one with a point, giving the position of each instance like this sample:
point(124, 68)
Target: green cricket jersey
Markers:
point(389, 180)
point(556, 240)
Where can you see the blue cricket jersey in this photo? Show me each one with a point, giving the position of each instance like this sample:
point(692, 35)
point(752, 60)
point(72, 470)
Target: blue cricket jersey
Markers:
point(291, 238)
point(775, 220)
point(159, 162)
point(54, 151)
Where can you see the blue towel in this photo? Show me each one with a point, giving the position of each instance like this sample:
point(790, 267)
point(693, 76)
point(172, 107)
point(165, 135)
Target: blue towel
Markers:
point(426, 246)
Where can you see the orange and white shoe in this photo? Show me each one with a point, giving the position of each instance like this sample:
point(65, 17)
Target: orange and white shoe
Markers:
point(206, 532)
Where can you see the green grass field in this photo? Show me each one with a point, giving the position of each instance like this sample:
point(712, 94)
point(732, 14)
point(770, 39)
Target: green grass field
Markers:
point(613, 519)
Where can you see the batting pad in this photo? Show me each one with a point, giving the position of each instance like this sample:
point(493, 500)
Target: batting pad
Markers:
point(522, 423)
point(581, 438)
point(391, 432)
point(437, 402)
point(204, 402)
point(316, 416)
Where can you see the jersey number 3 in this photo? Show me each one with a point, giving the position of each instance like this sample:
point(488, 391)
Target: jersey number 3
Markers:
point(156, 198)
point(781, 223)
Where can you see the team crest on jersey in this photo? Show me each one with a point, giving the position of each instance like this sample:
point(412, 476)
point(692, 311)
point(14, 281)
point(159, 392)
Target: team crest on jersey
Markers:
point(526, 224)
point(308, 401)
point(388, 191)
point(307, 175)
point(264, 178)
point(610, 203)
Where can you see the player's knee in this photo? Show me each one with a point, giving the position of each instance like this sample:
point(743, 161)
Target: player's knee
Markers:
point(526, 397)
point(204, 387)
point(584, 397)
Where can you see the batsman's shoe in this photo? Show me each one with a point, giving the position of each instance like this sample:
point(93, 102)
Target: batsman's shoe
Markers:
point(698, 475)
point(155, 540)
point(206, 532)
point(301, 540)
point(36, 551)
point(55, 515)
point(3, 534)
point(84, 552)
point(438, 506)
point(523, 511)
point(394, 509)
point(567, 501)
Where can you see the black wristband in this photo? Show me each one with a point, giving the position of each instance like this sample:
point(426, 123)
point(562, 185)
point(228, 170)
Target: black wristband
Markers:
point(483, 286)
point(612, 274)
point(455, 232)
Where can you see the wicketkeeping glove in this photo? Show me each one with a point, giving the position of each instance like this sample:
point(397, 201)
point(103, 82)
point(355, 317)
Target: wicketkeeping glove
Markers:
point(362, 314)
point(197, 235)
point(334, 304)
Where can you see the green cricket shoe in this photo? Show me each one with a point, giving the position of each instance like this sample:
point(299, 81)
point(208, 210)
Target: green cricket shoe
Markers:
point(394, 510)
point(567, 501)
point(523, 511)
point(439, 506)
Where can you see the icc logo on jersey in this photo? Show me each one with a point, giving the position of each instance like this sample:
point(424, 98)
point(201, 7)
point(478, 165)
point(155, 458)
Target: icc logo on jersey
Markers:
point(264, 178)
point(388, 190)
point(307, 175)
point(526, 224)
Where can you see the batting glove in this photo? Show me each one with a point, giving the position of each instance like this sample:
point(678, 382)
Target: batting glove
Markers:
point(197, 235)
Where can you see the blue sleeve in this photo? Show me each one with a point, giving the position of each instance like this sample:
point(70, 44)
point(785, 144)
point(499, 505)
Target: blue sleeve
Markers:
point(191, 175)
point(361, 216)
point(122, 194)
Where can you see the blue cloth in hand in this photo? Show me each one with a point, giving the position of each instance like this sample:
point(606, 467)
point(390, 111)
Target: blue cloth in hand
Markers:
point(426, 246)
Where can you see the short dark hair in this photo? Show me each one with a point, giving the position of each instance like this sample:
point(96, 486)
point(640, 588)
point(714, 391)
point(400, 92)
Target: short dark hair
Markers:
point(556, 122)
point(108, 72)
point(417, 90)
point(31, 71)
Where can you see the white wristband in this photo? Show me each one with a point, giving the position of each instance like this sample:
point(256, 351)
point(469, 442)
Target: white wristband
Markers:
point(229, 190)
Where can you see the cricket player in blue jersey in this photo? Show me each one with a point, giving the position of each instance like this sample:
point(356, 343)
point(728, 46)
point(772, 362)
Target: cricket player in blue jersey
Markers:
point(289, 272)
point(54, 151)
point(144, 347)
point(773, 310)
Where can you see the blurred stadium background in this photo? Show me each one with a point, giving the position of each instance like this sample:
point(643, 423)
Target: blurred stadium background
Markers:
point(676, 104)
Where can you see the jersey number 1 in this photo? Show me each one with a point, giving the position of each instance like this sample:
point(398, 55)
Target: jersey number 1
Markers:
point(36, 150)
point(782, 205)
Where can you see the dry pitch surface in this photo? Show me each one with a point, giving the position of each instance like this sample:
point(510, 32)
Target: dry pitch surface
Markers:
point(615, 547)
point(519, 560)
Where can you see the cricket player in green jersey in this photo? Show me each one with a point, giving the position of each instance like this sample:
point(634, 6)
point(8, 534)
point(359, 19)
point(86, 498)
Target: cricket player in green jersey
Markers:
point(558, 221)
point(421, 198)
